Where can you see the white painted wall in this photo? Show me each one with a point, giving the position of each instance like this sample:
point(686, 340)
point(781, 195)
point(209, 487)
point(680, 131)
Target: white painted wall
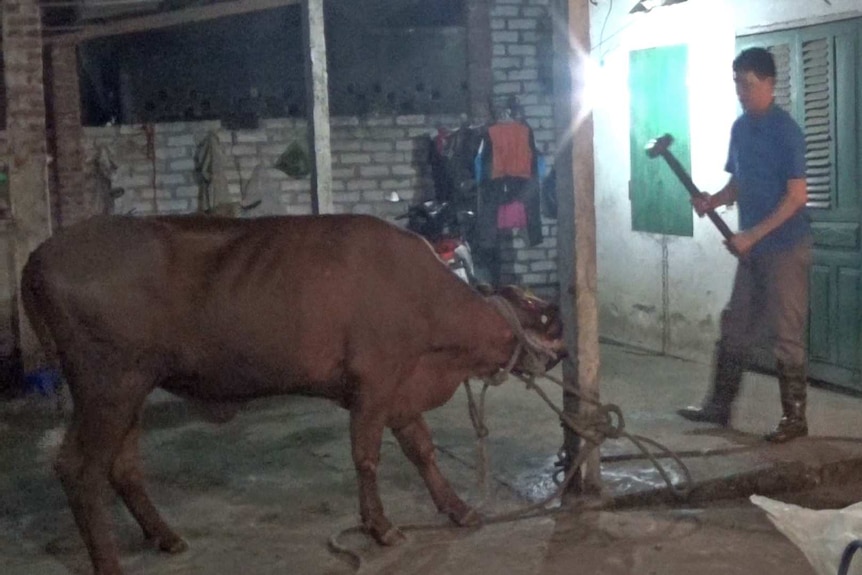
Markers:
point(664, 292)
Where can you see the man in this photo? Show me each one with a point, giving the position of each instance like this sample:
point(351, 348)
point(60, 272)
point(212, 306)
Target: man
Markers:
point(766, 163)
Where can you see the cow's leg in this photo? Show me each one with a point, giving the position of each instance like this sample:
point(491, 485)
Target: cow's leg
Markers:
point(82, 465)
point(366, 435)
point(127, 477)
point(101, 420)
point(85, 493)
point(415, 441)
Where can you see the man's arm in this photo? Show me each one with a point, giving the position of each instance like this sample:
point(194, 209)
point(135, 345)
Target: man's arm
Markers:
point(794, 200)
point(724, 197)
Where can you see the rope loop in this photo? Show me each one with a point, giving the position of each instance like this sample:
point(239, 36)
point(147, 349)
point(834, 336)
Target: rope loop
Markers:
point(610, 421)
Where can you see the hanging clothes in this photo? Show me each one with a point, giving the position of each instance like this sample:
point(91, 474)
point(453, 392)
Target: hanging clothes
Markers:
point(509, 198)
point(513, 151)
point(451, 156)
point(512, 216)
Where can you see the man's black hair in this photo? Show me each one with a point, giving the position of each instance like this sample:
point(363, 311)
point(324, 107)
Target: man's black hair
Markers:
point(757, 60)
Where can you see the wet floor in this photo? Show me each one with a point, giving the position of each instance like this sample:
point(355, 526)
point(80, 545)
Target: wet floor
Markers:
point(266, 492)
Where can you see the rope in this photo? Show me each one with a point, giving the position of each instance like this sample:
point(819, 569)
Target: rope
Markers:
point(600, 426)
point(537, 356)
point(595, 427)
point(605, 421)
point(477, 418)
point(338, 548)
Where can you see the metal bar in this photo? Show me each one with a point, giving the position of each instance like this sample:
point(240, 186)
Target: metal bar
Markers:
point(317, 90)
point(168, 19)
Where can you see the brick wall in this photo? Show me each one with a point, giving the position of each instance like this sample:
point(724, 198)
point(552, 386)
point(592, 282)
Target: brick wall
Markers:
point(22, 55)
point(26, 133)
point(521, 63)
point(372, 158)
point(522, 47)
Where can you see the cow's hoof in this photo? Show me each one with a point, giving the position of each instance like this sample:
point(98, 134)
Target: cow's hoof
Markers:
point(391, 537)
point(172, 544)
point(467, 517)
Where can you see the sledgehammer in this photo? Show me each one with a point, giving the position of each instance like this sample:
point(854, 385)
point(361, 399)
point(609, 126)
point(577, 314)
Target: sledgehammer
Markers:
point(659, 147)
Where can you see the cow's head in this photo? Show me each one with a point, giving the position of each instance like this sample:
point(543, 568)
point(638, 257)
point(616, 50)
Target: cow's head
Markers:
point(541, 328)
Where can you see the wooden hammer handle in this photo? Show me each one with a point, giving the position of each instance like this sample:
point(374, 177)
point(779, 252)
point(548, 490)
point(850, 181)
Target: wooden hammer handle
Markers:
point(683, 176)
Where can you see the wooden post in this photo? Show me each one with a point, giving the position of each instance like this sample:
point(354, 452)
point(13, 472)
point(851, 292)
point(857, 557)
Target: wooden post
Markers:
point(480, 74)
point(577, 225)
point(317, 107)
point(28, 164)
point(71, 199)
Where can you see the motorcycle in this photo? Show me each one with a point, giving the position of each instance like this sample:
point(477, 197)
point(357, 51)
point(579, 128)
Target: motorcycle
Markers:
point(446, 229)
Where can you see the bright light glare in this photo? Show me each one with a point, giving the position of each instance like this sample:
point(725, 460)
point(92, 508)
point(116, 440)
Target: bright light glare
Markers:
point(588, 83)
point(589, 80)
point(595, 90)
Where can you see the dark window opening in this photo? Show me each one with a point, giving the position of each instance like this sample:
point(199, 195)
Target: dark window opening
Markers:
point(380, 60)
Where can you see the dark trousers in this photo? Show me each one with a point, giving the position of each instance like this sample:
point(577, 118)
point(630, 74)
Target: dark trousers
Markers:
point(770, 299)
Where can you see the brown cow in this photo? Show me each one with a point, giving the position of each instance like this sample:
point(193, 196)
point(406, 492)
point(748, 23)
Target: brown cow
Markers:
point(348, 308)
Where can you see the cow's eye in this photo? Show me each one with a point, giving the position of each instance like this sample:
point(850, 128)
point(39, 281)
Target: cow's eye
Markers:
point(544, 319)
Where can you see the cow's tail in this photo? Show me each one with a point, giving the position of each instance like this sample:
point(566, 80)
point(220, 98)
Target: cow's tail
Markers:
point(38, 307)
point(36, 303)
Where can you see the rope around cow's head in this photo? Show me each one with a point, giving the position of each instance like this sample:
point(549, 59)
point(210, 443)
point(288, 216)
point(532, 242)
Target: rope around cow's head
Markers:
point(599, 422)
point(538, 355)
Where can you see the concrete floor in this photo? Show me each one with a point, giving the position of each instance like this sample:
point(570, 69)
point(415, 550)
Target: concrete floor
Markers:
point(265, 492)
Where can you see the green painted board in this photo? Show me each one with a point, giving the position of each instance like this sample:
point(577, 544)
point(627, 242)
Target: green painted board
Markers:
point(659, 105)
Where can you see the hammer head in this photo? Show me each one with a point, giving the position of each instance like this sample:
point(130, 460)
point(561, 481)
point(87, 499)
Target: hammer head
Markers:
point(658, 146)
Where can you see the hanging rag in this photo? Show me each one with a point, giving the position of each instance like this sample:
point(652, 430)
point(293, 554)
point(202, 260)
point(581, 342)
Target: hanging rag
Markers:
point(294, 161)
point(210, 163)
point(107, 197)
point(261, 195)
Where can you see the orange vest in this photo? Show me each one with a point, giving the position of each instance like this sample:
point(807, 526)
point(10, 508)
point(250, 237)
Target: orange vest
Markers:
point(510, 146)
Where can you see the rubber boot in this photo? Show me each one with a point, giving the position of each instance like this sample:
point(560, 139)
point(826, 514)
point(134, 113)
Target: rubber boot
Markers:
point(793, 384)
point(726, 378)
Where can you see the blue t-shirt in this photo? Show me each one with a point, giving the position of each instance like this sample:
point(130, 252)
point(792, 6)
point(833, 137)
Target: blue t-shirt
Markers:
point(765, 152)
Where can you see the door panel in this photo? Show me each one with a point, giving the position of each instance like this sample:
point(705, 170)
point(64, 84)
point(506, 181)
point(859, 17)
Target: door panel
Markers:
point(847, 330)
point(818, 326)
point(830, 60)
point(833, 331)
